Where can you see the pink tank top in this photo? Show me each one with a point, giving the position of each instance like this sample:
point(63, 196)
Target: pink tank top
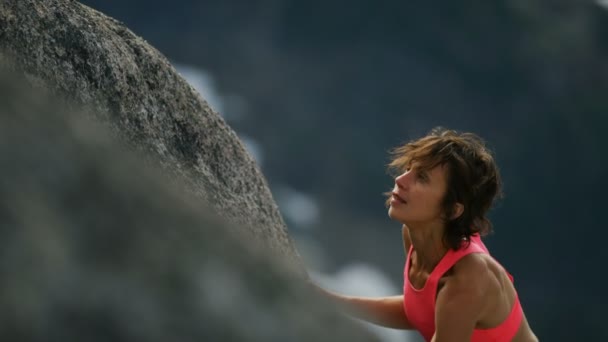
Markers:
point(419, 305)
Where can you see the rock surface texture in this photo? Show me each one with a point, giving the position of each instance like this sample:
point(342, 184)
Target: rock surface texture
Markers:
point(96, 247)
point(76, 52)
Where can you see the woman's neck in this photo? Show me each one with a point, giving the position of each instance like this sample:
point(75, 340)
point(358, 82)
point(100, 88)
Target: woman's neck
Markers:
point(427, 242)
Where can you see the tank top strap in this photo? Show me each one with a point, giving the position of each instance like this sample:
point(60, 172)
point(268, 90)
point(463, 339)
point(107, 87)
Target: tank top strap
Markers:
point(452, 257)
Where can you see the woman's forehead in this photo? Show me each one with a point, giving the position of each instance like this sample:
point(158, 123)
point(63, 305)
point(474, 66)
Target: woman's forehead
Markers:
point(434, 170)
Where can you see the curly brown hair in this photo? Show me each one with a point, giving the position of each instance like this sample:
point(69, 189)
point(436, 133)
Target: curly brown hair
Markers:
point(472, 175)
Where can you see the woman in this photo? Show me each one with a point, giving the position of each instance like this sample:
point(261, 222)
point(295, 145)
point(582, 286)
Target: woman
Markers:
point(453, 289)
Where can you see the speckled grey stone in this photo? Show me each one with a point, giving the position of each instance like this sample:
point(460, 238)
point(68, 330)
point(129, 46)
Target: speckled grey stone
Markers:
point(95, 247)
point(75, 51)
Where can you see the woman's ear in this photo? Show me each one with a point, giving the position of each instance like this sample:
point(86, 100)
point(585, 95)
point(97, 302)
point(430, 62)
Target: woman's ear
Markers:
point(458, 210)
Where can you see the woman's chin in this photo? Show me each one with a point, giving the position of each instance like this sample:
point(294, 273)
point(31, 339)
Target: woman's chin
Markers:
point(394, 214)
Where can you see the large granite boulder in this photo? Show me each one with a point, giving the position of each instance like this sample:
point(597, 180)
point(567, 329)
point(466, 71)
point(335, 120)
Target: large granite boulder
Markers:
point(95, 61)
point(96, 247)
point(155, 242)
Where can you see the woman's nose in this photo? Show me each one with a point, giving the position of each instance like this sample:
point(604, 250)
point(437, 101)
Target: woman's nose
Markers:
point(402, 180)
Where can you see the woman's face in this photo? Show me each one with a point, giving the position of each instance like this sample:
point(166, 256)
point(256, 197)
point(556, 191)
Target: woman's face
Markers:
point(417, 196)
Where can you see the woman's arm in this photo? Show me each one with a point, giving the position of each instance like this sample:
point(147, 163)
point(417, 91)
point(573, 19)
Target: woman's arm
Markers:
point(463, 300)
point(384, 311)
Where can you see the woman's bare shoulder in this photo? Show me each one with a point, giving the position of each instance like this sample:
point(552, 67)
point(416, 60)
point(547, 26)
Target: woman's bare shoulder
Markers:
point(479, 272)
point(475, 266)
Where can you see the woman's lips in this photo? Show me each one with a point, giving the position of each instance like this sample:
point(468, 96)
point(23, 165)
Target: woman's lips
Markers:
point(397, 198)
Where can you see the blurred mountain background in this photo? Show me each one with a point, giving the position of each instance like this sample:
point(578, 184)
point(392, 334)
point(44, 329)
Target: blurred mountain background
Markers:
point(320, 91)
